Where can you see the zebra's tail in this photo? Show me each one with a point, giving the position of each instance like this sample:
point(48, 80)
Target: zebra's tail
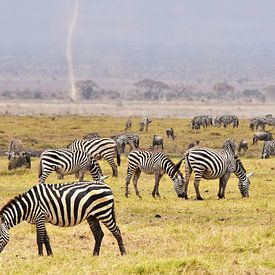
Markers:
point(118, 156)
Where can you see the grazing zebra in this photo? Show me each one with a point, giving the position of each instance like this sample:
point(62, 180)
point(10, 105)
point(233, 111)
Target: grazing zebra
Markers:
point(15, 147)
point(226, 120)
point(99, 148)
point(152, 162)
point(257, 122)
point(127, 139)
point(214, 164)
point(202, 120)
point(67, 162)
point(268, 149)
point(144, 124)
point(63, 205)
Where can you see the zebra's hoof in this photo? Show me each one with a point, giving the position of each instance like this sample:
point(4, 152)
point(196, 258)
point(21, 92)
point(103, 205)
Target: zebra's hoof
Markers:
point(199, 198)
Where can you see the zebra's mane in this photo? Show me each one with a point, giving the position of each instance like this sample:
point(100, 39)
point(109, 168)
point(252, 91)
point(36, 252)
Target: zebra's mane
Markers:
point(238, 162)
point(11, 201)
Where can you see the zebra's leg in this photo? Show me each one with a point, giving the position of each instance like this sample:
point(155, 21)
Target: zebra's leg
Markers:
point(188, 172)
point(113, 166)
point(44, 175)
point(97, 232)
point(47, 243)
point(135, 181)
point(110, 223)
point(128, 180)
point(222, 185)
point(156, 187)
point(81, 174)
point(197, 180)
point(42, 237)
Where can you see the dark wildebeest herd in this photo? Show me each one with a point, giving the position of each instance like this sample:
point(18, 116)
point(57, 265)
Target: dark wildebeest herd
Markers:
point(69, 204)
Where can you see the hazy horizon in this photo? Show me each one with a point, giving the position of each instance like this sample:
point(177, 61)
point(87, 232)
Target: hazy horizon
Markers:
point(135, 39)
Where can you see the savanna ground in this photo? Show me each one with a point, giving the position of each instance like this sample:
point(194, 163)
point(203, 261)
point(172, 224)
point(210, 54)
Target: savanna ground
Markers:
point(166, 235)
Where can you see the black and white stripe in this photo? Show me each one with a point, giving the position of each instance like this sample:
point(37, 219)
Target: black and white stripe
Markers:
point(214, 164)
point(99, 148)
point(226, 120)
point(62, 205)
point(261, 122)
point(66, 162)
point(152, 162)
point(126, 139)
point(268, 149)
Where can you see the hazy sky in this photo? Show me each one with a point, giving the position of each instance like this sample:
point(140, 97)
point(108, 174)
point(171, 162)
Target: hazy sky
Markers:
point(139, 21)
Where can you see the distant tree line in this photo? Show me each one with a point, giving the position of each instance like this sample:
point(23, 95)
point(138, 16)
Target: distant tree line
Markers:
point(148, 89)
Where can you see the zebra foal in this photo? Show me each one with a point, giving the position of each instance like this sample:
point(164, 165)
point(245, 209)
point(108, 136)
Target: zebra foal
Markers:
point(63, 205)
point(67, 162)
point(152, 162)
point(214, 164)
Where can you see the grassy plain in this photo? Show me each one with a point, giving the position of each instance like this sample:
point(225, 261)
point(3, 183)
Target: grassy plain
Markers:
point(167, 235)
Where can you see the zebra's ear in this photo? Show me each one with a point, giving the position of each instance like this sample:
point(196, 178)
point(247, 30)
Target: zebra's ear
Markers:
point(249, 174)
point(103, 177)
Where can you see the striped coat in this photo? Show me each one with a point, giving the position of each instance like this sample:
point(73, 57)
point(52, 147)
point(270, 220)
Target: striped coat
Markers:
point(67, 162)
point(99, 148)
point(62, 205)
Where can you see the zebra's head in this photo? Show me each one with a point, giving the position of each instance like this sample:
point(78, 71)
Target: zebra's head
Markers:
point(244, 185)
point(178, 181)
point(4, 233)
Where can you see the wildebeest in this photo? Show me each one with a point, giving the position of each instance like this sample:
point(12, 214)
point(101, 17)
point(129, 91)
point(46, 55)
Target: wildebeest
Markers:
point(17, 160)
point(170, 133)
point(243, 145)
point(262, 136)
point(128, 124)
point(157, 141)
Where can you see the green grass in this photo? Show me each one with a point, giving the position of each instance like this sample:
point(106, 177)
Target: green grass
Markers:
point(230, 236)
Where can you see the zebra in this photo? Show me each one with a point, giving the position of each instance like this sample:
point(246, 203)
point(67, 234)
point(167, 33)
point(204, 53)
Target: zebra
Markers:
point(66, 162)
point(15, 147)
point(144, 124)
point(257, 122)
point(152, 162)
point(99, 148)
point(126, 139)
point(268, 149)
point(62, 205)
point(202, 120)
point(226, 120)
point(214, 164)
